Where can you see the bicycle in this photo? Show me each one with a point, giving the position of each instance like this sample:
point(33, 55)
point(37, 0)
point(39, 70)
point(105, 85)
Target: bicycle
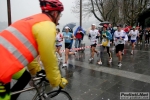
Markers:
point(39, 84)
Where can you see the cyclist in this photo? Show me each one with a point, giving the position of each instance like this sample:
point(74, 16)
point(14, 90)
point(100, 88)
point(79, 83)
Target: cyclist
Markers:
point(23, 41)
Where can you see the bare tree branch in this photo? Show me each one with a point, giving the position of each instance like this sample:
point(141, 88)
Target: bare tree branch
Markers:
point(93, 11)
point(115, 11)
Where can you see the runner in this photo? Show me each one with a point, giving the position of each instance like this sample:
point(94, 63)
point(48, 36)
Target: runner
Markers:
point(93, 36)
point(71, 31)
point(119, 37)
point(137, 38)
point(134, 34)
point(147, 36)
point(59, 39)
point(106, 37)
point(129, 37)
point(141, 32)
point(115, 29)
point(126, 40)
point(111, 30)
point(68, 37)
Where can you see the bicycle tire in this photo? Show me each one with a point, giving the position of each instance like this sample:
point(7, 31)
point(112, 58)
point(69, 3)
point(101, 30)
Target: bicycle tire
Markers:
point(61, 92)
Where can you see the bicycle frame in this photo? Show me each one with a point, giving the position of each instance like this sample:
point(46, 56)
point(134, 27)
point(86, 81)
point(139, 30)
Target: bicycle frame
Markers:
point(38, 93)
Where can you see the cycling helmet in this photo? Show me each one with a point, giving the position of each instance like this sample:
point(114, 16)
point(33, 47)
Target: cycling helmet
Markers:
point(51, 5)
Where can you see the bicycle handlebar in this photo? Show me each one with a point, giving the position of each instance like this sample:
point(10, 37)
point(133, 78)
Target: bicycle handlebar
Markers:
point(41, 78)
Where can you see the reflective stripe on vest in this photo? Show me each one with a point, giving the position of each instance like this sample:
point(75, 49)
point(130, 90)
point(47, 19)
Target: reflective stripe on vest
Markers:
point(6, 44)
point(23, 39)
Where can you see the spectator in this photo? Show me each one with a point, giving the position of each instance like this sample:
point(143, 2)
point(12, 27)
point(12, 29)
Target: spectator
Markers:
point(79, 37)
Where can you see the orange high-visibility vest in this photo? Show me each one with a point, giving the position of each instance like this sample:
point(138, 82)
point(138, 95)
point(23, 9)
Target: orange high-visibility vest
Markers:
point(18, 46)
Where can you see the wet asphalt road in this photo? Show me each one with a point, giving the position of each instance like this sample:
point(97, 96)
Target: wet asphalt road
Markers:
point(89, 81)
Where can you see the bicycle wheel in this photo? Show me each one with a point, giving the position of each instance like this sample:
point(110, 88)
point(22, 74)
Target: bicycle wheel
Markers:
point(63, 95)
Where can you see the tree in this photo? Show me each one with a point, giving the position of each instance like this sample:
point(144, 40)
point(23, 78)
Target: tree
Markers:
point(143, 16)
point(103, 10)
point(115, 11)
point(147, 22)
point(132, 9)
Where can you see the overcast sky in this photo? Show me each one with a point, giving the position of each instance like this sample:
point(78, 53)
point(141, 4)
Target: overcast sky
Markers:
point(24, 8)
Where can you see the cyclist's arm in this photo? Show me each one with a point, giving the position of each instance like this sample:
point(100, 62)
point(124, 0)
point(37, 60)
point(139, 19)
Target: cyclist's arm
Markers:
point(34, 67)
point(45, 34)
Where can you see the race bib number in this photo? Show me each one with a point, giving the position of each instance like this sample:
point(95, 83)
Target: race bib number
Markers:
point(67, 37)
point(120, 41)
point(94, 40)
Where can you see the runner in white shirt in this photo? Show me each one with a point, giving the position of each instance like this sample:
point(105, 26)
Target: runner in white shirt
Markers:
point(134, 34)
point(59, 39)
point(115, 28)
point(119, 37)
point(93, 36)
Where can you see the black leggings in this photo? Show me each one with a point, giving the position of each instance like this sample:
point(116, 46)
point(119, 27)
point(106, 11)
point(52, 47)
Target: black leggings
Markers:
point(20, 85)
point(102, 51)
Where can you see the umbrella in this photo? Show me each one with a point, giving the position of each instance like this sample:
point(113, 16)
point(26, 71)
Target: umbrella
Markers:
point(70, 25)
point(105, 22)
